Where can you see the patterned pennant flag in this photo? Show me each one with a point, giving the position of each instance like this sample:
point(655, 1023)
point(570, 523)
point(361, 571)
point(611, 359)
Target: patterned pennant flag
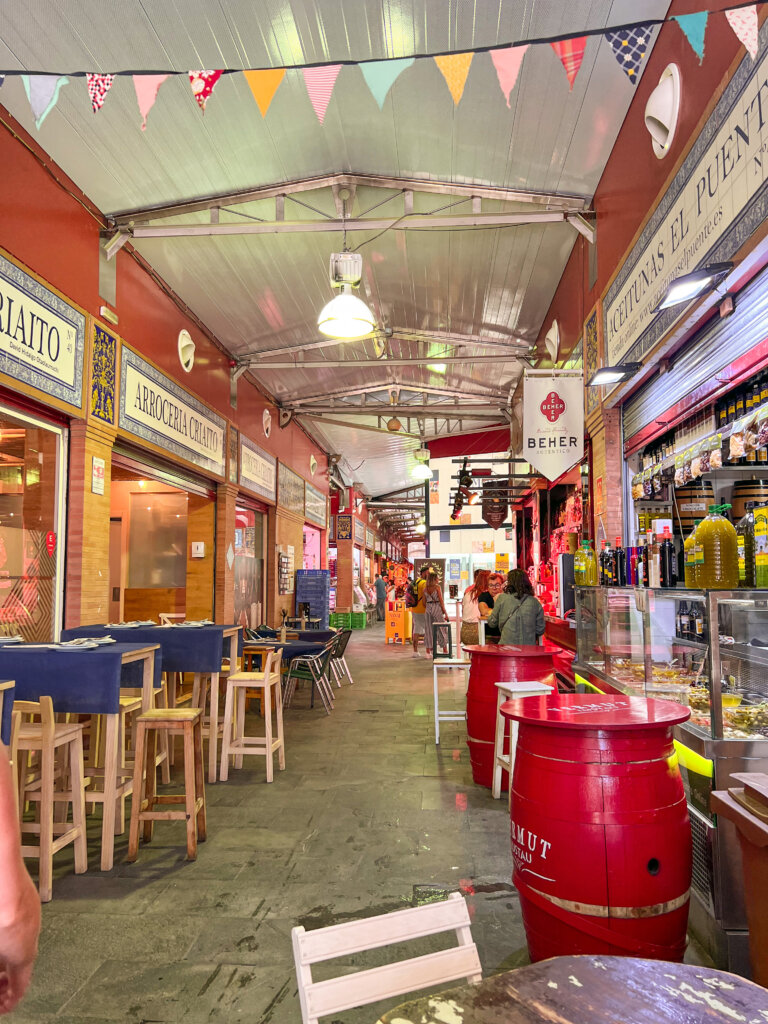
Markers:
point(744, 24)
point(2, 79)
point(202, 85)
point(455, 68)
point(146, 87)
point(507, 62)
point(571, 54)
point(98, 87)
point(320, 83)
point(694, 27)
point(43, 94)
point(381, 75)
point(630, 46)
point(263, 85)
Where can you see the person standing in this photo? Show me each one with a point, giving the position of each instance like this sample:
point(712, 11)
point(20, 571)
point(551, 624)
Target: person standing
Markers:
point(476, 604)
point(434, 610)
point(517, 613)
point(418, 613)
point(381, 597)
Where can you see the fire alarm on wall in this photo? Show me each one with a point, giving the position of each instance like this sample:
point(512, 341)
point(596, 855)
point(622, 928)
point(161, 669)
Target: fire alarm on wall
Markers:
point(198, 549)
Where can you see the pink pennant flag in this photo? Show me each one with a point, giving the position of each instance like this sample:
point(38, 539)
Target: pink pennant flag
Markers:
point(744, 23)
point(146, 87)
point(320, 83)
point(202, 85)
point(98, 87)
point(507, 62)
point(571, 54)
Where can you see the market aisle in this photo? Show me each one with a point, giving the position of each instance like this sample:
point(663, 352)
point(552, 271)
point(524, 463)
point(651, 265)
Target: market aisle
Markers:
point(368, 817)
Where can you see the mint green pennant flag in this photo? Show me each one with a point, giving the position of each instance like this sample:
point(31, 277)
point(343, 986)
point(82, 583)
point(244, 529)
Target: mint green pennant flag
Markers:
point(694, 26)
point(43, 93)
point(381, 75)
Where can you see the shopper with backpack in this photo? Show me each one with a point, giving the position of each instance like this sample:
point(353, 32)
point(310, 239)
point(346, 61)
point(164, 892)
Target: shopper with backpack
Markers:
point(415, 593)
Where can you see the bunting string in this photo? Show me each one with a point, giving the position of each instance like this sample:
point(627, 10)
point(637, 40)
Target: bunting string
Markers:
point(629, 43)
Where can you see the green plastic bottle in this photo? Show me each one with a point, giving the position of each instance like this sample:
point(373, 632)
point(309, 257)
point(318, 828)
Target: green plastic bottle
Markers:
point(745, 541)
point(717, 538)
point(691, 558)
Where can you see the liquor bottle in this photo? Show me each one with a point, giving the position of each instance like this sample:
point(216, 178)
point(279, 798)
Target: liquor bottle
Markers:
point(685, 621)
point(697, 622)
point(722, 416)
point(732, 408)
point(647, 560)
point(641, 561)
point(606, 565)
point(619, 565)
point(764, 389)
point(654, 561)
point(667, 561)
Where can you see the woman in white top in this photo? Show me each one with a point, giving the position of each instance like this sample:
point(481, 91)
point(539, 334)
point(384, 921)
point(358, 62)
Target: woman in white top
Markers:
point(476, 604)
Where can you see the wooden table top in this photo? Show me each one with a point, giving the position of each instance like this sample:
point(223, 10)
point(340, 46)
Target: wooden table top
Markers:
point(594, 990)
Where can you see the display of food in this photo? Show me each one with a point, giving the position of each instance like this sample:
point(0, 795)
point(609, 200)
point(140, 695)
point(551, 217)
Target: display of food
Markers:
point(746, 720)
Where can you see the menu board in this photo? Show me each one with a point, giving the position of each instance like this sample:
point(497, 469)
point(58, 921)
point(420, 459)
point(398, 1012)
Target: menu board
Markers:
point(314, 586)
point(359, 532)
point(290, 490)
point(370, 540)
point(257, 469)
point(315, 505)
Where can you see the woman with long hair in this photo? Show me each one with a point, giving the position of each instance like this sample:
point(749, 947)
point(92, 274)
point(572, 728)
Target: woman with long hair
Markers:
point(476, 604)
point(517, 613)
point(434, 610)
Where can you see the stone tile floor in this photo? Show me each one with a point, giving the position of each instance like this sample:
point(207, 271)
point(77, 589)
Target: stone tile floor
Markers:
point(369, 816)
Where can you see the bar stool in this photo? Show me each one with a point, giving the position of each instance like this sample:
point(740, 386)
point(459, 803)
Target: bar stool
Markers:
point(446, 716)
point(501, 761)
point(188, 722)
point(238, 744)
point(34, 729)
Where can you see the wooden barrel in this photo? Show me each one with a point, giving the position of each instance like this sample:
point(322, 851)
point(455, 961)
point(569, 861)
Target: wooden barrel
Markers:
point(601, 840)
point(691, 503)
point(747, 490)
point(491, 664)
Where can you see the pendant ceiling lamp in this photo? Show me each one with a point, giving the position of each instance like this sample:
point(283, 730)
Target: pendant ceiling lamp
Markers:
point(346, 316)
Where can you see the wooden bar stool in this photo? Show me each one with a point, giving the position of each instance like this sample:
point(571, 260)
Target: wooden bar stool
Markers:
point(60, 746)
point(188, 722)
point(268, 682)
point(502, 761)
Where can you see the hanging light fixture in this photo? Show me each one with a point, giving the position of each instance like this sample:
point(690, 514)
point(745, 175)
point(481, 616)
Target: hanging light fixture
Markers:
point(346, 316)
point(421, 529)
point(421, 471)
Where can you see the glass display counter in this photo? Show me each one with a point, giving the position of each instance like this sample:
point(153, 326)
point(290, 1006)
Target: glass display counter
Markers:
point(709, 651)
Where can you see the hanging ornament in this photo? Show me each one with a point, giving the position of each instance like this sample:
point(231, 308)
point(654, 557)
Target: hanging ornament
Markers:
point(98, 87)
point(507, 62)
point(146, 87)
point(571, 54)
point(43, 93)
point(630, 46)
point(744, 24)
point(320, 83)
point(495, 501)
point(203, 83)
point(381, 75)
point(263, 85)
point(694, 27)
point(455, 68)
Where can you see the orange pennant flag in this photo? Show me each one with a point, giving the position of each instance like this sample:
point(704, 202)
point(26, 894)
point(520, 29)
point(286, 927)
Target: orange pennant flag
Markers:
point(264, 85)
point(455, 68)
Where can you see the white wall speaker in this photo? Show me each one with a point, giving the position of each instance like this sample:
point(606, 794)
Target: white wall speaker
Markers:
point(662, 110)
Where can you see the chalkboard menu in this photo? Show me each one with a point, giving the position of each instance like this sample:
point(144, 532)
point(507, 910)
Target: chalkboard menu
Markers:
point(314, 587)
point(290, 490)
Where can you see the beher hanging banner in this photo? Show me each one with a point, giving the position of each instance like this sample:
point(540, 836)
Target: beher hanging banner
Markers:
point(553, 420)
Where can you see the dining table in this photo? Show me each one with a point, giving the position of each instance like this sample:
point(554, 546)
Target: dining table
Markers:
point(196, 649)
point(593, 990)
point(7, 686)
point(87, 681)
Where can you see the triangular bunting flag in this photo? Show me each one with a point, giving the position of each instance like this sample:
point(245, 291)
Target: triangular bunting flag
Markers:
point(694, 26)
point(202, 85)
point(146, 87)
point(571, 54)
point(320, 83)
point(43, 93)
point(98, 87)
point(744, 24)
point(630, 46)
point(455, 68)
point(2, 79)
point(507, 62)
point(381, 75)
point(263, 85)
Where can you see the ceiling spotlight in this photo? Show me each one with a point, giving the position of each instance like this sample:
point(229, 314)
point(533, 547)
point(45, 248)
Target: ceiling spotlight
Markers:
point(613, 374)
point(421, 472)
point(691, 286)
point(421, 528)
point(346, 316)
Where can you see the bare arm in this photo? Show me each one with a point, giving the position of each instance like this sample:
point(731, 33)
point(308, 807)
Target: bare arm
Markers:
point(19, 902)
point(484, 608)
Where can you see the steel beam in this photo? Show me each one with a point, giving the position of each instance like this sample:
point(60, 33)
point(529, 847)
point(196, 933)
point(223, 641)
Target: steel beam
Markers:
point(323, 397)
point(319, 364)
point(427, 411)
point(357, 426)
point(518, 344)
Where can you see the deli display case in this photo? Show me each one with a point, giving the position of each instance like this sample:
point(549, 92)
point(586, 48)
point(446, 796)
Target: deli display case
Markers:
point(707, 649)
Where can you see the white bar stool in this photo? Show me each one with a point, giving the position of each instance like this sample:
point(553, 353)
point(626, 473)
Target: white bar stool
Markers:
point(510, 691)
point(446, 716)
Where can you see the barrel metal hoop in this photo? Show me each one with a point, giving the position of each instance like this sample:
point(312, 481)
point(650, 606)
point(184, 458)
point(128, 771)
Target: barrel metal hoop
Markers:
point(595, 910)
point(596, 764)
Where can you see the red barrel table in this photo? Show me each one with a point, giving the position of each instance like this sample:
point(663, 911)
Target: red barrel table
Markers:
point(491, 664)
point(601, 841)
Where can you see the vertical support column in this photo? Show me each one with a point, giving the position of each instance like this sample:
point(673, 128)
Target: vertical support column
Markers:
point(224, 586)
point(87, 574)
point(344, 573)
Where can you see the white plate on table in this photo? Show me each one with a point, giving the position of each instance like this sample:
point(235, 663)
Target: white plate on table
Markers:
point(77, 647)
point(188, 625)
point(5, 640)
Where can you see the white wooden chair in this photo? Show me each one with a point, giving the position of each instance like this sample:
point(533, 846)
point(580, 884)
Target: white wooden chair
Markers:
point(321, 998)
point(446, 716)
point(501, 761)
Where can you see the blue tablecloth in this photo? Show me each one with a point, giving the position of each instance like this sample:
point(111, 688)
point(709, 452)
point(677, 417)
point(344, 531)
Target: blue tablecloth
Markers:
point(5, 724)
point(184, 649)
point(82, 682)
point(292, 648)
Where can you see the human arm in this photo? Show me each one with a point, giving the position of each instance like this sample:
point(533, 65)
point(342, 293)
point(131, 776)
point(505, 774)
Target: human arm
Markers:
point(485, 603)
point(19, 901)
point(493, 618)
point(540, 624)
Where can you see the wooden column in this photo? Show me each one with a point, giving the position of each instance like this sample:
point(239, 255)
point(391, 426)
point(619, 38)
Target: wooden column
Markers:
point(224, 599)
point(345, 573)
point(87, 574)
